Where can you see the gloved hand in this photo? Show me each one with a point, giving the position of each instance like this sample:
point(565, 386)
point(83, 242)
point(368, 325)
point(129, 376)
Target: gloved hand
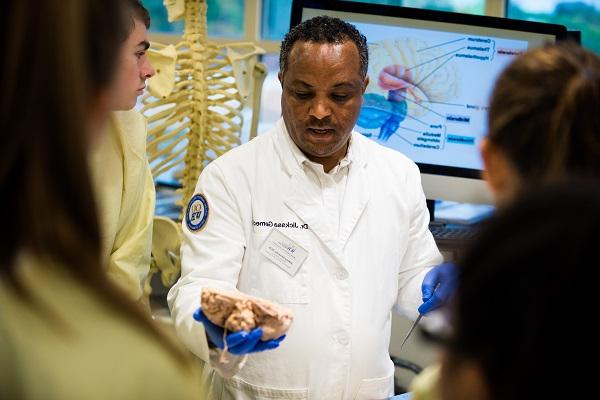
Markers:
point(438, 285)
point(238, 343)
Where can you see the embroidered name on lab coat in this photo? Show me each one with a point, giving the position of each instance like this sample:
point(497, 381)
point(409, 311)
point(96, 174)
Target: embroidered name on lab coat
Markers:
point(271, 224)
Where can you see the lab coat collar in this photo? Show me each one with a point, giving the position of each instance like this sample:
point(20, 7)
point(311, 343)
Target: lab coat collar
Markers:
point(293, 158)
point(357, 191)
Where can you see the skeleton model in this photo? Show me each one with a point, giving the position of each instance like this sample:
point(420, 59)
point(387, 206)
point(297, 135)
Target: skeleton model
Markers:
point(195, 101)
point(193, 109)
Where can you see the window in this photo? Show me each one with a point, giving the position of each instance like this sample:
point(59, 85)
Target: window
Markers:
point(275, 18)
point(578, 15)
point(225, 18)
point(276, 13)
point(159, 21)
point(463, 6)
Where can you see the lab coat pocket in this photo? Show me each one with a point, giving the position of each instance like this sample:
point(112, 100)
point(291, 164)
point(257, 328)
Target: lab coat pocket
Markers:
point(236, 388)
point(270, 281)
point(376, 389)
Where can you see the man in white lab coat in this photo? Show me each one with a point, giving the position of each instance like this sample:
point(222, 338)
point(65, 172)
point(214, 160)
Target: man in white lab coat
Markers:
point(350, 214)
point(122, 178)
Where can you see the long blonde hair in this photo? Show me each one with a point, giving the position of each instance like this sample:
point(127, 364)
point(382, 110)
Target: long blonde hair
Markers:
point(61, 54)
point(545, 113)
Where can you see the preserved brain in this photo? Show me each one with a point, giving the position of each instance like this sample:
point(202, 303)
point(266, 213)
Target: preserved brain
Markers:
point(237, 311)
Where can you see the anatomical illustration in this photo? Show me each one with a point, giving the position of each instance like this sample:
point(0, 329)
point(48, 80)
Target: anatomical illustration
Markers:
point(407, 75)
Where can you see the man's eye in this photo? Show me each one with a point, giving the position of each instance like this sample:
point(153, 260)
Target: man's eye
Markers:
point(340, 97)
point(302, 95)
point(140, 54)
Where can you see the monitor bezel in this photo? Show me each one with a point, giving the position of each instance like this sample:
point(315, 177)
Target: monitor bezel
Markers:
point(558, 31)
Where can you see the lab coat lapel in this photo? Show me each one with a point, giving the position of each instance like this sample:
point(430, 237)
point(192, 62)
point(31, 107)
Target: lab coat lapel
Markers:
point(310, 212)
point(297, 198)
point(355, 200)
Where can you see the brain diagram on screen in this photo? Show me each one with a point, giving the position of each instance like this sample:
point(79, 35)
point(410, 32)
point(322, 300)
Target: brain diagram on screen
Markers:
point(402, 82)
point(429, 91)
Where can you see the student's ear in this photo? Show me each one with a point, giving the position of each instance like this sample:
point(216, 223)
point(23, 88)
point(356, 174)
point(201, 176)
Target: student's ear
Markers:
point(498, 172)
point(462, 380)
point(484, 150)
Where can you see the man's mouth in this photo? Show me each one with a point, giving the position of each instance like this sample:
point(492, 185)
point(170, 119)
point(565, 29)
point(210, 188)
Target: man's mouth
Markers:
point(321, 131)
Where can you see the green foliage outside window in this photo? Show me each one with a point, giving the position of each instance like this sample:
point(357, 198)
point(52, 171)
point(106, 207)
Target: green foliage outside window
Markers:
point(276, 13)
point(574, 15)
point(225, 18)
point(462, 6)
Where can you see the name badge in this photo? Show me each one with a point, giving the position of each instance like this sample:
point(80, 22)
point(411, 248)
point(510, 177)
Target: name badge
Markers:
point(284, 252)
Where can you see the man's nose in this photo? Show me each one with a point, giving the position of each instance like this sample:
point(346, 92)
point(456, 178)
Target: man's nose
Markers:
point(320, 108)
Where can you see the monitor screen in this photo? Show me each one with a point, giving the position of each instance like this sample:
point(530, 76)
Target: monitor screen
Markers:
point(430, 78)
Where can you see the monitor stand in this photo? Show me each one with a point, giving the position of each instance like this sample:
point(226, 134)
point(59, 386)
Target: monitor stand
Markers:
point(451, 212)
point(431, 209)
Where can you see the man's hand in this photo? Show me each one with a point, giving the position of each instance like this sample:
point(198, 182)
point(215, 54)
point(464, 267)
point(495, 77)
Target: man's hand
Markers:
point(238, 343)
point(439, 284)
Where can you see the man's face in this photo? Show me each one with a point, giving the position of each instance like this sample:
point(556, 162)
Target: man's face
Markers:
point(322, 96)
point(133, 68)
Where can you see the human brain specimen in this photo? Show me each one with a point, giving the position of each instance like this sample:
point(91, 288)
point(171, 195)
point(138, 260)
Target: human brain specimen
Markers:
point(237, 311)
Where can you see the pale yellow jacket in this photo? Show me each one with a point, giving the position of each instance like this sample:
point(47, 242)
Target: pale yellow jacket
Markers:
point(425, 385)
point(75, 347)
point(126, 196)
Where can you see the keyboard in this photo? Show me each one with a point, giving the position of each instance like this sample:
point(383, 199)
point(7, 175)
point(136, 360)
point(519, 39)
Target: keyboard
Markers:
point(452, 233)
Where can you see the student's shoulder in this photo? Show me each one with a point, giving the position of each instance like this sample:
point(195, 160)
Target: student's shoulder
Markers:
point(130, 118)
point(130, 126)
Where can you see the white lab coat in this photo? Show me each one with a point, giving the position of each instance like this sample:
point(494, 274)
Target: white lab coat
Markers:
point(343, 294)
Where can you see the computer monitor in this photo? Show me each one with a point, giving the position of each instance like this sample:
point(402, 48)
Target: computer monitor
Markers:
point(431, 75)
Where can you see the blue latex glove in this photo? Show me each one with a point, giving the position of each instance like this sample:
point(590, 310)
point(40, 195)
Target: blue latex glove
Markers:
point(238, 343)
point(439, 284)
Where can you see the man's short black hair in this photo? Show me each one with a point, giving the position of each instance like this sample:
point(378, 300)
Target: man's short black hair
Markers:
point(325, 29)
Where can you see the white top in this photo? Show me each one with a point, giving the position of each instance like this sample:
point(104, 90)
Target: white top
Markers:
point(373, 260)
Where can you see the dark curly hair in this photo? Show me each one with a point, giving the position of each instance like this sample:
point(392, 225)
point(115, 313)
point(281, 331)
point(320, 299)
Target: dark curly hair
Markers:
point(325, 29)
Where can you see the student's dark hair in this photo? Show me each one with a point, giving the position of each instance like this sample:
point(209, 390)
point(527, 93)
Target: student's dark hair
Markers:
point(60, 55)
point(137, 11)
point(526, 294)
point(325, 29)
point(544, 113)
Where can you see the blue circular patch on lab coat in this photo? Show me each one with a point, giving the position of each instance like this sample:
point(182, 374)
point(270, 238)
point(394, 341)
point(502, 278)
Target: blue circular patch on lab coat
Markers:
point(196, 214)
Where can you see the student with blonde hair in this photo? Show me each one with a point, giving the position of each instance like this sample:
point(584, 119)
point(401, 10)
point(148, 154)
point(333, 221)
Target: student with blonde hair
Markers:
point(66, 331)
point(543, 127)
point(543, 121)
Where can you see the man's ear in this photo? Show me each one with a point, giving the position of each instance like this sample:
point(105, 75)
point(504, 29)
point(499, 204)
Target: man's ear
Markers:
point(365, 84)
